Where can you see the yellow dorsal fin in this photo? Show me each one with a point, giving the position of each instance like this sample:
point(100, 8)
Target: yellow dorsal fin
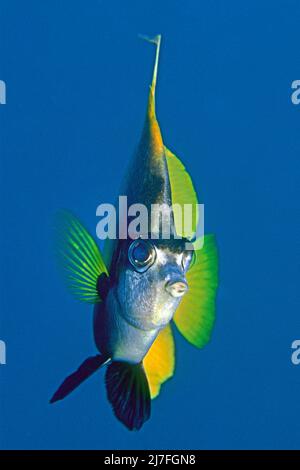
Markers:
point(159, 362)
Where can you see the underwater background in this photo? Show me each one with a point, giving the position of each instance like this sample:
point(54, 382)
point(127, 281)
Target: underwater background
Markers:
point(77, 79)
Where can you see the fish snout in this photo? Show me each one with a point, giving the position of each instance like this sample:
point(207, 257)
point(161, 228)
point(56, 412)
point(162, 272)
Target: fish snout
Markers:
point(176, 288)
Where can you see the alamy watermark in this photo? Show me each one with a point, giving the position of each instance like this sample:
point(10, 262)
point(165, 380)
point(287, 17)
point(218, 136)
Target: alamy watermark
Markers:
point(160, 221)
point(2, 92)
point(295, 96)
point(2, 352)
point(295, 356)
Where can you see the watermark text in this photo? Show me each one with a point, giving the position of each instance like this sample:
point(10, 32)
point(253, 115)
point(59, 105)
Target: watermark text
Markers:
point(160, 221)
point(2, 352)
point(2, 92)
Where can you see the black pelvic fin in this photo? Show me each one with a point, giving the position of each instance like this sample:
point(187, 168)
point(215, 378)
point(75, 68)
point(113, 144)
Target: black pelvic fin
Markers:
point(129, 394)
point(103, 285)
point(87, 368)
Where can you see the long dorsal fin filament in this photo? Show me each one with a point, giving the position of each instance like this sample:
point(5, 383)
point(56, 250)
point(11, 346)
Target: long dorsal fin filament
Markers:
point(151, 104)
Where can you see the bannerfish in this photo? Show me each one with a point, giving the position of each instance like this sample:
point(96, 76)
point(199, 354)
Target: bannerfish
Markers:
point(141, 285)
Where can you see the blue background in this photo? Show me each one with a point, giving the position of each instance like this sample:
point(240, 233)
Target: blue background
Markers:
point(77, 80)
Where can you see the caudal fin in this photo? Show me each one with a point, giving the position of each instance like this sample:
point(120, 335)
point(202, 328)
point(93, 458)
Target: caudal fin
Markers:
point(128, 392)
point(87, 368)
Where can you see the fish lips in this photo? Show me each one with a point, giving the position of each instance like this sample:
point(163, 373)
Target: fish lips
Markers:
point(177, 287)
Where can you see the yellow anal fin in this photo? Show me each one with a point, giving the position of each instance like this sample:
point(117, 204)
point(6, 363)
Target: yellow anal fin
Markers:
point(159, 362)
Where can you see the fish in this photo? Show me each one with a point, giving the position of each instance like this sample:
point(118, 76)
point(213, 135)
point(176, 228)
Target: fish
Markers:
point(142, 286)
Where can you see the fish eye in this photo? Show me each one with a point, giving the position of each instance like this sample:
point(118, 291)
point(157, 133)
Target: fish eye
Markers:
point(141, 255)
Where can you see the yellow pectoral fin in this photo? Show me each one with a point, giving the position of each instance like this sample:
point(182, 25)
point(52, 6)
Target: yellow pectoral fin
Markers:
point(195, 315)
point(183, 193)
point(79, 257)
point(159, 362)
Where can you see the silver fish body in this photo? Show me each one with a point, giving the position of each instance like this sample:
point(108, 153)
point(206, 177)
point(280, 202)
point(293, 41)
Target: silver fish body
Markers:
point(139, 305)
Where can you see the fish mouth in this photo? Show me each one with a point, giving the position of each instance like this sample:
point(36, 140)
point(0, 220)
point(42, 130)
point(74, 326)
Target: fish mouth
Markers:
point(176, 288)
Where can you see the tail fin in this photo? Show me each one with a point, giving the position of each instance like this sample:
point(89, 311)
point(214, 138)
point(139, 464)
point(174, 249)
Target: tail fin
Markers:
point(128, 392)
point(87, 368)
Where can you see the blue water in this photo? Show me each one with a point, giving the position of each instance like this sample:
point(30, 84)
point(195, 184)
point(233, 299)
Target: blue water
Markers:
point(77, 79)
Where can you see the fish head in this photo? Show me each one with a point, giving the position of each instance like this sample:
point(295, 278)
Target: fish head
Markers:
point(152, 281)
